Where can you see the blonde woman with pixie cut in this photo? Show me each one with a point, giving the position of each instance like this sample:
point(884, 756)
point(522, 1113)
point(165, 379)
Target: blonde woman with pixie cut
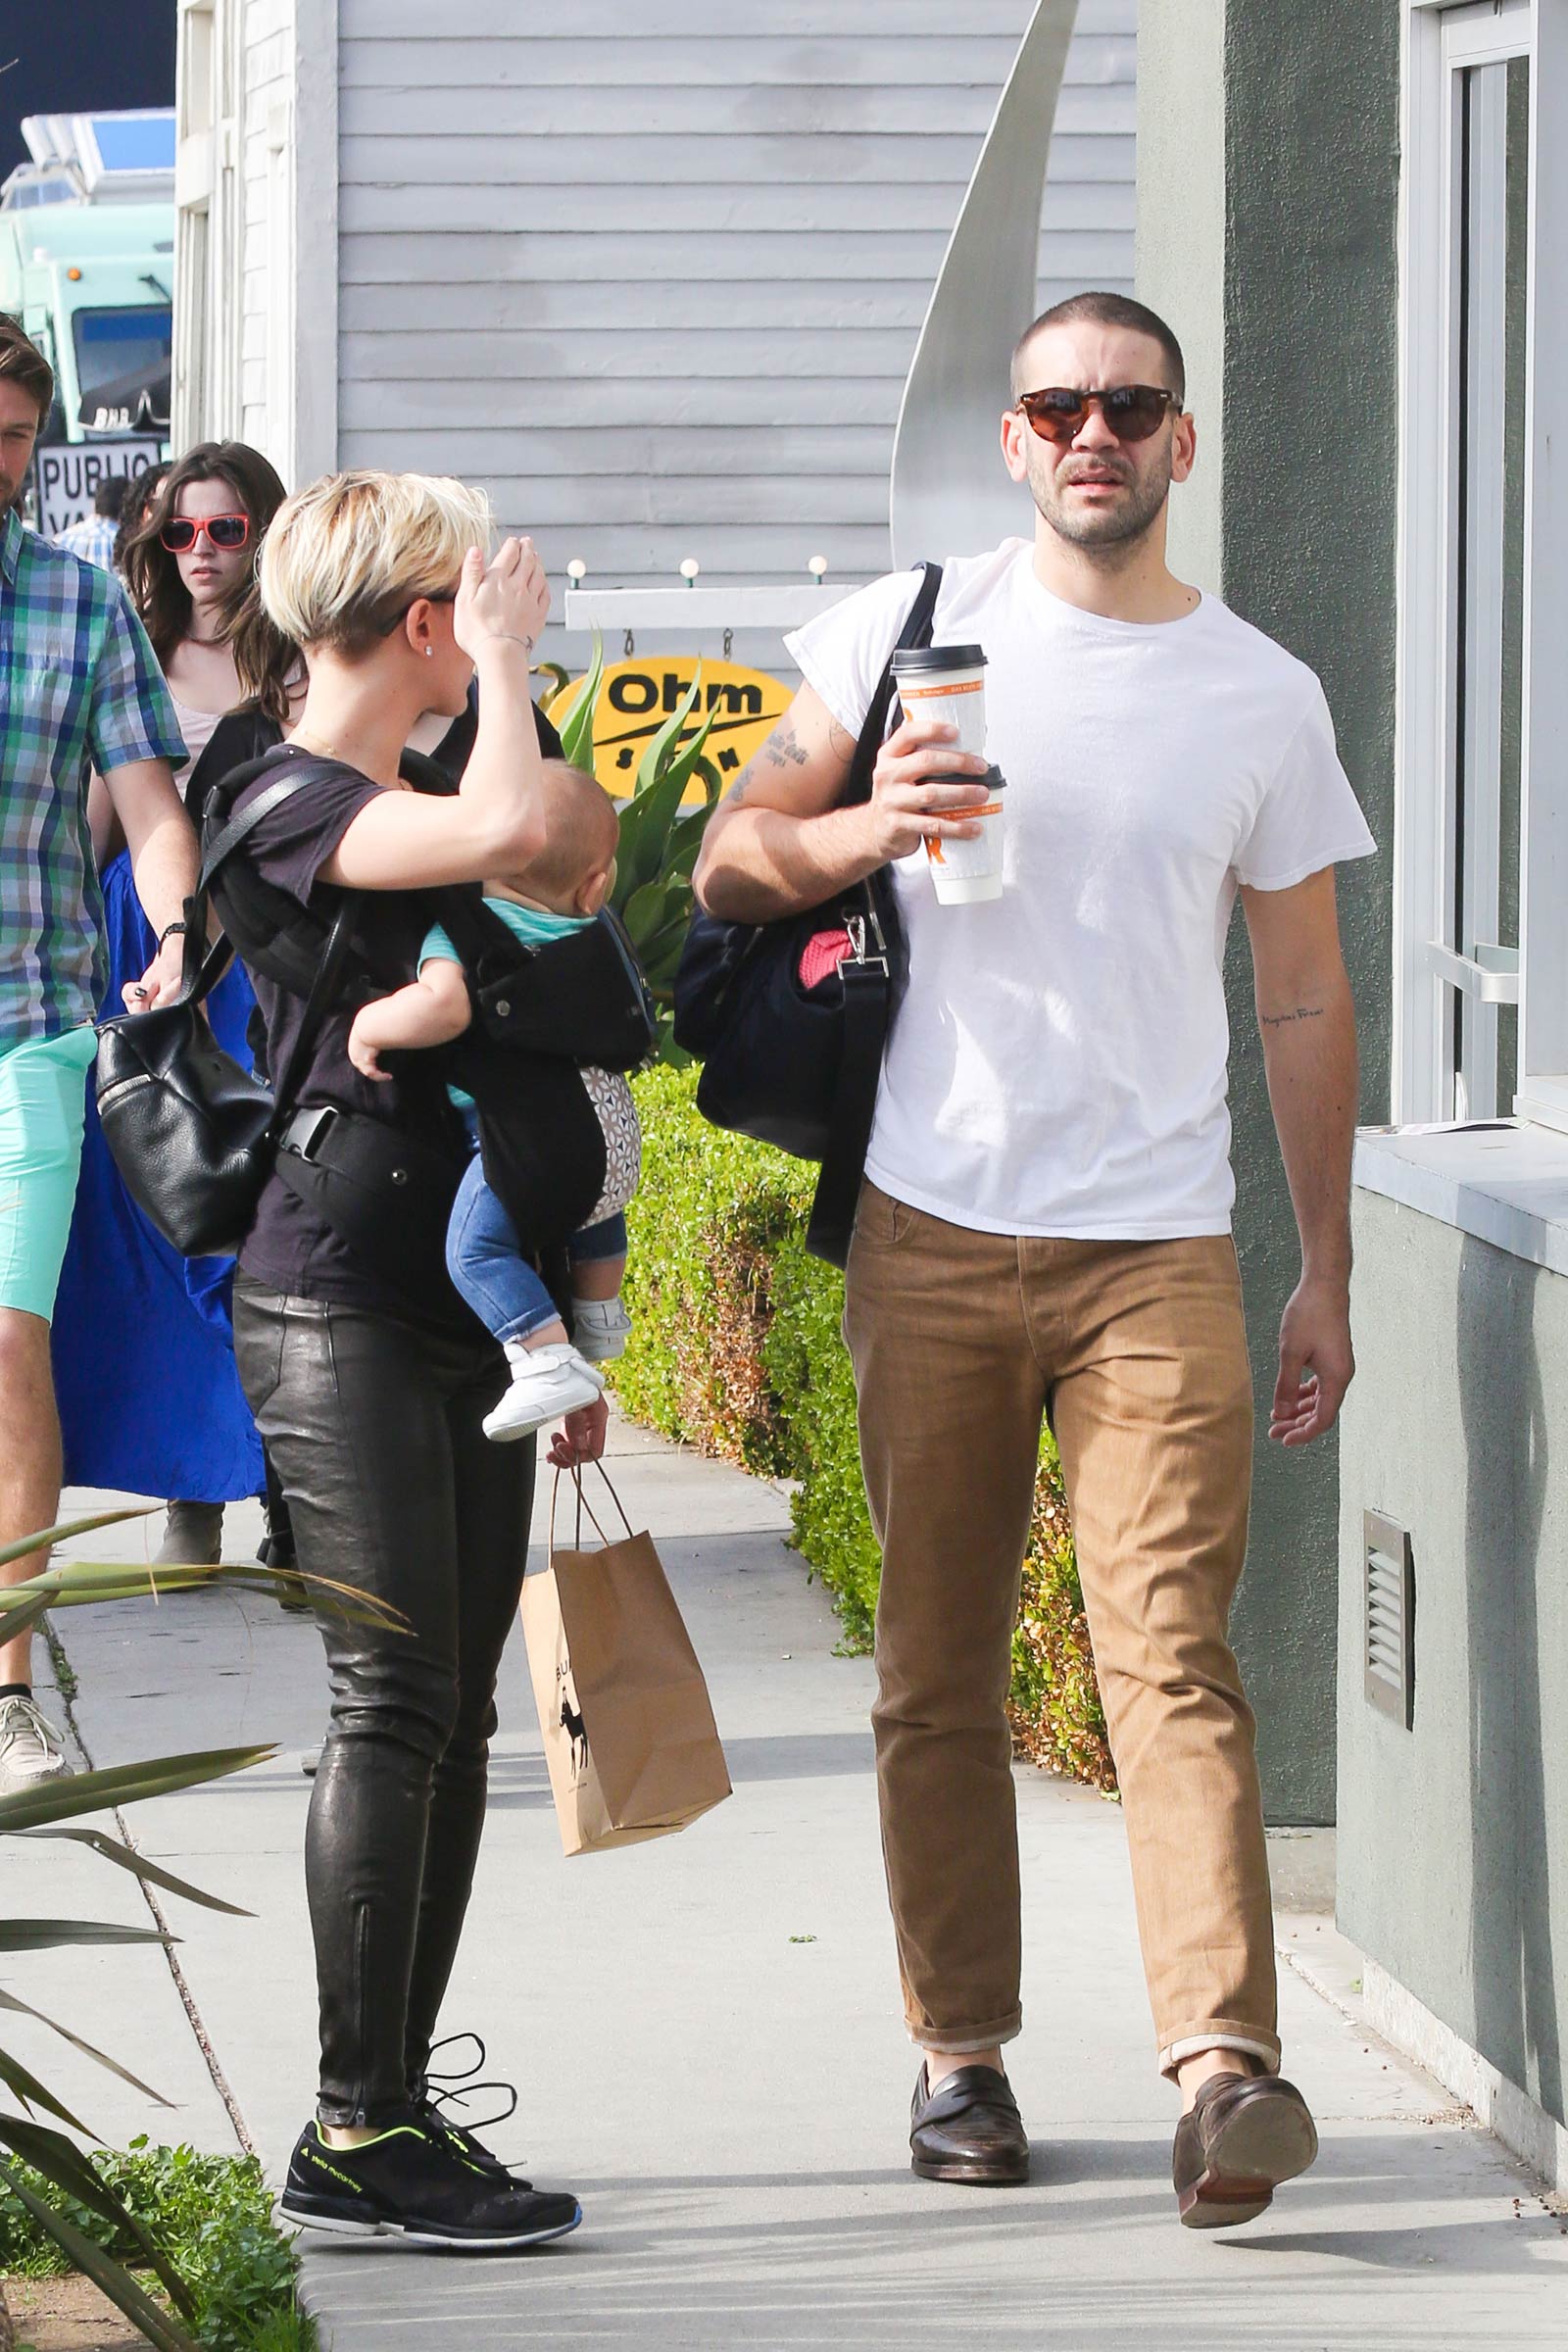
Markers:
point(368, 1378)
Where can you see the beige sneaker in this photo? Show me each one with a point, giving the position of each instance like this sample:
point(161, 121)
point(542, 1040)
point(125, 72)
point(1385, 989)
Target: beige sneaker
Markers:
point(193, 1536)
point(30, 1749)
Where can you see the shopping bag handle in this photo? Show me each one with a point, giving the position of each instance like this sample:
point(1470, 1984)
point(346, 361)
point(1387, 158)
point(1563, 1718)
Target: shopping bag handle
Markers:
point(583, 1505)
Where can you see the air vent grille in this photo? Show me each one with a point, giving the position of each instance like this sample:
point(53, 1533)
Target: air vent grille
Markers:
point(1389, 1618)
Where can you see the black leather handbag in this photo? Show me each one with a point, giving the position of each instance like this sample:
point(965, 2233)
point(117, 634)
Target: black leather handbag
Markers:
point(192, 1132)
point(798, 1064)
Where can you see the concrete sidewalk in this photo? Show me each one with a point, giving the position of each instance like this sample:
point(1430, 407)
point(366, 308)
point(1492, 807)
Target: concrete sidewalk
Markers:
point(705, 2036)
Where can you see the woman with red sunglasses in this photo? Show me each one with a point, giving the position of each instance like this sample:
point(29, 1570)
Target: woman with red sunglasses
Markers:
point(192, 572)
point(149, 1400)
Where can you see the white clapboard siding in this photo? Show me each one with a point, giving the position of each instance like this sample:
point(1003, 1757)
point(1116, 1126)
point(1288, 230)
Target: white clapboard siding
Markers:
point(654, 276)
point(265, 33)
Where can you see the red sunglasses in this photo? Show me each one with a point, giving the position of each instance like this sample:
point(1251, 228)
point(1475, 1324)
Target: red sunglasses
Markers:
point(1133, 412)
point(226, 531)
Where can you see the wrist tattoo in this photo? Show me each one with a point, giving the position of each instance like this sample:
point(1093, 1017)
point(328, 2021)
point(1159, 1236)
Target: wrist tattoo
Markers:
point(1282, 1020)
point(510, 637)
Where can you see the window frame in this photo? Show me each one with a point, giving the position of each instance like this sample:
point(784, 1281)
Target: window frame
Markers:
point(1441, 40)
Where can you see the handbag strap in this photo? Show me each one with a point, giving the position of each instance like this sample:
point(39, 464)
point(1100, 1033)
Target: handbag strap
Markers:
point(206, 961)
point(867, 980)
point(584, 1505)
point(318, 1004)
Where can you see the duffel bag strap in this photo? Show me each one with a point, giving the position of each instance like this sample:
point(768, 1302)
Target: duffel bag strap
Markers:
point(865, 980)
point(866, 977)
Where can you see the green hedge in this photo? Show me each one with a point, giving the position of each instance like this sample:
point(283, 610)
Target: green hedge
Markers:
point(736, 1350)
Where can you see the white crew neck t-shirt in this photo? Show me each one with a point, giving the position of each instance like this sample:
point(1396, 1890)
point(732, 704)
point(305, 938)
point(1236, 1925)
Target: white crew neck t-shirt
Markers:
point(1059, 1063)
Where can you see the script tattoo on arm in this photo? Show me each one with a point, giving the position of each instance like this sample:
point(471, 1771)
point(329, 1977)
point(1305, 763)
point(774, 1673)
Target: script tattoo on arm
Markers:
point(783, 748)
point(1283, 1020)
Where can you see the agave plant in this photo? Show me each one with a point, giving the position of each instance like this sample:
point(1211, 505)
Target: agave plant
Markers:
point(659, 838)
point(39, 1813)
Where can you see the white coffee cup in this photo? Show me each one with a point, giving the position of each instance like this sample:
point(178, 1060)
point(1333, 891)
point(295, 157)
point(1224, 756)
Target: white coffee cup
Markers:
point(964, 872)
point(947, 682)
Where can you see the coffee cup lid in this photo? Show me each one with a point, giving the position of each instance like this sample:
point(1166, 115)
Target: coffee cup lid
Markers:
point(917, 660)
point(993, 780)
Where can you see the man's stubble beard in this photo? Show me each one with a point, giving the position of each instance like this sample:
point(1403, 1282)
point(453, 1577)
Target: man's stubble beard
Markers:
point(1117, 534)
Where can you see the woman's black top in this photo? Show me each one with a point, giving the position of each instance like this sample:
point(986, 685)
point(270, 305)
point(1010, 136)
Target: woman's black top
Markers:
point(291, 1247)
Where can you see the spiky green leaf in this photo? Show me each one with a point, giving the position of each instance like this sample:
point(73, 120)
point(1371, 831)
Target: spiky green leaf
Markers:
point(121, 1785)
point(577, 732)
point(9, 2000)
point(43, 1935)
point(63, 1533)
point(125, 1857)
point(32, 2093)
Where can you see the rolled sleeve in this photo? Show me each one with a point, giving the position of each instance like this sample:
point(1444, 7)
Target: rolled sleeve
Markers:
point(130, 714)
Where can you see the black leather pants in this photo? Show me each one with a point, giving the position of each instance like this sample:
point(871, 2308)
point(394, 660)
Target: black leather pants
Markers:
point(373, 1428)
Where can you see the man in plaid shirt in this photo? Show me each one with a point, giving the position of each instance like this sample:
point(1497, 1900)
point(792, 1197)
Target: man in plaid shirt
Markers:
point(80, 689)
point(93, 537)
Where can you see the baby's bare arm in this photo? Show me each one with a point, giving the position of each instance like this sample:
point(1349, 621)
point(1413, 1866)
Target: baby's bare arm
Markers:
point(430, 1011)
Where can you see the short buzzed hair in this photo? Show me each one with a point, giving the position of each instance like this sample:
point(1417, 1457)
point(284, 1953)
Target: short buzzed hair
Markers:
point(1105, 310)
point(581, 829)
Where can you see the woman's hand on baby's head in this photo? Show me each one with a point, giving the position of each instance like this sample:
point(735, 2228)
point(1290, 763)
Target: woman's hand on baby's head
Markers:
point(505, 601)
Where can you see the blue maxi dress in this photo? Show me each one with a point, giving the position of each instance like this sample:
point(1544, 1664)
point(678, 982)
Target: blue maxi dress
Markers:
point(143, 1342)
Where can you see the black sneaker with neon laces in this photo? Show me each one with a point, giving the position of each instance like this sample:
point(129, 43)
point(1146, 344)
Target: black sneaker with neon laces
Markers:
point(412, 2181)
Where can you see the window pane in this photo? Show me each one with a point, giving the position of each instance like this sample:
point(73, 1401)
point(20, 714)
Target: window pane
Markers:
point(1494, 130)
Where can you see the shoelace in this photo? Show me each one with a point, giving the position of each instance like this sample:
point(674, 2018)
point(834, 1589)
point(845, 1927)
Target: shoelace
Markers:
point(431, 2101)
point(35, 1723)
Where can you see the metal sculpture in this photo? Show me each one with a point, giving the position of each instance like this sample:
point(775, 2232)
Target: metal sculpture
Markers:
point(950, 494)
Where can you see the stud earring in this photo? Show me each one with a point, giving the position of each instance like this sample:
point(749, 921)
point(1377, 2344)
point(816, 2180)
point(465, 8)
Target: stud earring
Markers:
point(429, 653)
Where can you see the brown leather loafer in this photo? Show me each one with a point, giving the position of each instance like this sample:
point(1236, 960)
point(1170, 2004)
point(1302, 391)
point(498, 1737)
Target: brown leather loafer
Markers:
point(1245, 2135)
point(968, 2129)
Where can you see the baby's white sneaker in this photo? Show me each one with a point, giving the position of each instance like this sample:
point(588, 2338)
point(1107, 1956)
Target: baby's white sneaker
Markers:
point(546, 1382)
point(600, 1328)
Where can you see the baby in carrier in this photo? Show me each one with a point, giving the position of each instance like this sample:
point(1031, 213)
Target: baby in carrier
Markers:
point(562, 891)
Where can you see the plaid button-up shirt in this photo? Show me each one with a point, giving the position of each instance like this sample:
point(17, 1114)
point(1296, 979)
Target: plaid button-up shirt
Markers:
point(80, 689)
point(92, 539)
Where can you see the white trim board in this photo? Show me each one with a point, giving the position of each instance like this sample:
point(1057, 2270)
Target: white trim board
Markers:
point(1505, 1183)
point(680, 611)
point(1393, 2011)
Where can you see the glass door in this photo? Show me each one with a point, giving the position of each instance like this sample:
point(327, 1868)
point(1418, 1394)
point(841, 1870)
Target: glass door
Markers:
point(1471, 812)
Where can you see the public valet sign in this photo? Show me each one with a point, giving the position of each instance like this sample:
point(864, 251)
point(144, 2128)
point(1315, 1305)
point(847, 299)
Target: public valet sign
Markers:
point(639, 697)
point(68, 472)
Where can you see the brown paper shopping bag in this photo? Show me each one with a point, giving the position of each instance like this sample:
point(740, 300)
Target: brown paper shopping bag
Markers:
point(629, 1736)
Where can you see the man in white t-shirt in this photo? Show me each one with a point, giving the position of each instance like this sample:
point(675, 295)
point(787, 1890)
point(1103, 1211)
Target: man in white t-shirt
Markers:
point(1045, 1224)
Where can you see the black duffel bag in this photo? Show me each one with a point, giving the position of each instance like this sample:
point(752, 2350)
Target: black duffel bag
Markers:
point(789, 1065)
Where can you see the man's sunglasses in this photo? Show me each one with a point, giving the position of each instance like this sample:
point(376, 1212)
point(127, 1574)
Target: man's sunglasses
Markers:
point(1133, 412)
point(226, 531)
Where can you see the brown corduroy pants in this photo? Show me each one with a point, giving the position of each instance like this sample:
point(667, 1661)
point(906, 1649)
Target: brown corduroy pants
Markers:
point(1136, 1352)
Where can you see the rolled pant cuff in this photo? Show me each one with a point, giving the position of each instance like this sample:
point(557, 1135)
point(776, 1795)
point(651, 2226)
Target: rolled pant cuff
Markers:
point(1223, 2033)
point(960, 2042)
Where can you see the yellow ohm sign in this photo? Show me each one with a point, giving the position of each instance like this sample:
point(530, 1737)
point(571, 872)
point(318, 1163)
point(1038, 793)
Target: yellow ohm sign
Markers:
point(639, 697)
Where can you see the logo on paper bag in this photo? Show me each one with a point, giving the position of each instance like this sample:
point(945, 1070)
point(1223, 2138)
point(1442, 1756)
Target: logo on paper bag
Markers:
point(576, 1731)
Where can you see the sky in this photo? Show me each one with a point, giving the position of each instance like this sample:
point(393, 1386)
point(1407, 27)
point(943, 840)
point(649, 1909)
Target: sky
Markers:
point(77, 54)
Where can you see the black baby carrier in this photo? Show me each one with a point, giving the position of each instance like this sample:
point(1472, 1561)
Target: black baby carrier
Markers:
point(541, 1016)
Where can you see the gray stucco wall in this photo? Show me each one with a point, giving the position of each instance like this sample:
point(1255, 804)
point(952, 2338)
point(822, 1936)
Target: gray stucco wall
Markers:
point(1454, 1835)
point(1287, 211)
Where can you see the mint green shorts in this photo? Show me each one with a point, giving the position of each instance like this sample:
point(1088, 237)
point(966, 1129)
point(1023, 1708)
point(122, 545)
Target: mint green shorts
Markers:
point(43, 1105)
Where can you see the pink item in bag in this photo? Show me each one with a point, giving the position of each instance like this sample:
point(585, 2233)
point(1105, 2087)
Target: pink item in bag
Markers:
point(821, 957)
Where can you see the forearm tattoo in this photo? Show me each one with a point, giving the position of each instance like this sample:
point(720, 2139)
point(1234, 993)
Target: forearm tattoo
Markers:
point(1284, 1020)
